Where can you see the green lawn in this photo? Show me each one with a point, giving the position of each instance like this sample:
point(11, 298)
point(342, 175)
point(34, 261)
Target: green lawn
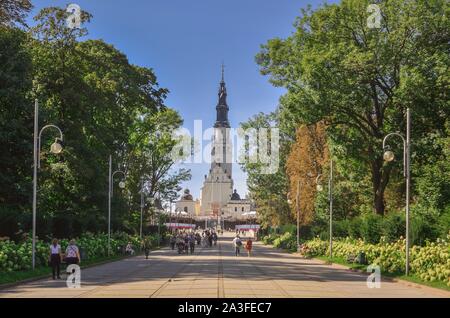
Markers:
point(411, 278)
point(43, 272)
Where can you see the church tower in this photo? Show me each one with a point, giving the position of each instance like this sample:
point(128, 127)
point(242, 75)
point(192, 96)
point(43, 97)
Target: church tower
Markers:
point(218, 184)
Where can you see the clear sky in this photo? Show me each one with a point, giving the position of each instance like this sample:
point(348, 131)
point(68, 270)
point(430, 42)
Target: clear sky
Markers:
point(185, 42)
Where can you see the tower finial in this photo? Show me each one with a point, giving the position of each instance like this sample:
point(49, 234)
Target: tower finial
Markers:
point(223, 71)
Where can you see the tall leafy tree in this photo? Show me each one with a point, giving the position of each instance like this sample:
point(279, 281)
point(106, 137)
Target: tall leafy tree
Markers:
point(360, 80)
point(103, 104)
point(268, 191)
point(308, 157)
point(16, 125)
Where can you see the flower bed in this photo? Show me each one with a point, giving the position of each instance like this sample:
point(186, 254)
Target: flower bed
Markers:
point(430, 262)
point(17, 256)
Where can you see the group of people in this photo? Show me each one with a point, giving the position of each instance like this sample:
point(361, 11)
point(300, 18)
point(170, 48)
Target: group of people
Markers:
point(56, 256)
point(186, 241)
point(238, 243)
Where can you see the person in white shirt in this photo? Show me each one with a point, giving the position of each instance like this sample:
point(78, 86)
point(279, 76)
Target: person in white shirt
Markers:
point(55, 258)
point(129, 249)
point(237, 243)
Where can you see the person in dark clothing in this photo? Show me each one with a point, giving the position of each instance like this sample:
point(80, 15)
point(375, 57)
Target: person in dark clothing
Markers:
point(192, 243)
point(210, 240)
point(146, 246)
point(186, 244)
point(214, 238)
point(173, 240)
point(55, 259)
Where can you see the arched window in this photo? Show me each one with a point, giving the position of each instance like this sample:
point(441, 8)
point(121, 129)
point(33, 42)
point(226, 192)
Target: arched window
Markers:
point(235, 209)
point(185, 209)
point(242, 209)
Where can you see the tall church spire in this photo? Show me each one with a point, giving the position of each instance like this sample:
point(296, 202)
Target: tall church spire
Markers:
point(222, 106)
point(223, 71)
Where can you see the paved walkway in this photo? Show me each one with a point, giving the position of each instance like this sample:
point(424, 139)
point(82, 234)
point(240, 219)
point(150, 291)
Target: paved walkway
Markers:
point(216, 272)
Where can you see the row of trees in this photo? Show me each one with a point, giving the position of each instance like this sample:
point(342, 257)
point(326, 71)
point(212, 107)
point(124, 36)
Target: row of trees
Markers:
point(103, 104)
point(348, 85)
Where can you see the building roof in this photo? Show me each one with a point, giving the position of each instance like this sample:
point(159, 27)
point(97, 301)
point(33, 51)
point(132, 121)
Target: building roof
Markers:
point(235, 196)
point(187, 196)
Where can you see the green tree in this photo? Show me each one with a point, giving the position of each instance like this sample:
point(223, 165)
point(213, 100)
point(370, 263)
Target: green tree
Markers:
point(16, 123)
point(103, 104)
point(360, 81)
point(268, 191)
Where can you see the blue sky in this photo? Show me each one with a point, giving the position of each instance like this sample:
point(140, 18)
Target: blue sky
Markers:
point(185, 42)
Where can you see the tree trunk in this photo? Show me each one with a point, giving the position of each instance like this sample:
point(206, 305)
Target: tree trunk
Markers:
point(379, 182)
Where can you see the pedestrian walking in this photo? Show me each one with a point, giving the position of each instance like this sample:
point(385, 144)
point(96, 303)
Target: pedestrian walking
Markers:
point(173, 240)
point(210, 239)
point(186, 244)
point(204, 241)
point(237, 243)
point(55, 258)
point(192, 243)
point(146, 246)
point(180, 243)
point(72, 253)
point(214, 238)
point(249, 246)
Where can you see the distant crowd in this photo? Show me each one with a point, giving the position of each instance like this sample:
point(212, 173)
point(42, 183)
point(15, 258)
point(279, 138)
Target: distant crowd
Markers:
point(185, 241)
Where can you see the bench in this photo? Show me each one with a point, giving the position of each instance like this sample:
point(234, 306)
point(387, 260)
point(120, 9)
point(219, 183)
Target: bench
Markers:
point(359, 258)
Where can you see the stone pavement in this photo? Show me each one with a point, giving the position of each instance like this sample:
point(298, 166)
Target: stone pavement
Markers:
point(216, 272)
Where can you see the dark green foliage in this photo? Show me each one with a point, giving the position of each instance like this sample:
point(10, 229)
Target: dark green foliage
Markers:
point(104, 105)
point(394, 226)
point(371, 228)
point(16, 125)
point(359, 82)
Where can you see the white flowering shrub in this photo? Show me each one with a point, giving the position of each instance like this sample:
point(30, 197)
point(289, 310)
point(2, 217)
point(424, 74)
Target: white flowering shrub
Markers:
point(430, 262)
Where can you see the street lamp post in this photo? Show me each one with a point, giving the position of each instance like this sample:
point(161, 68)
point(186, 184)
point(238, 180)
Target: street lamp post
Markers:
point(297, 207)
point(389, 156)
point(110, 194)
point(142, 206)
point(55, 148)
point(330, 199)
point(159, 210)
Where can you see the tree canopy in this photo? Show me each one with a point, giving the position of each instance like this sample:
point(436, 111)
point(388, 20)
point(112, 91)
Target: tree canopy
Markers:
point(104, 105)
point(360, 81)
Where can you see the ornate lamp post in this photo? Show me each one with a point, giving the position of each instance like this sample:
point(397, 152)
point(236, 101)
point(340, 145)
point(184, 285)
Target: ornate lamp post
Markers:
point(389, 156)
point(142, 207)
point(55, 148)
point(297, 208)
point(110, 194)
point(319, 188)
